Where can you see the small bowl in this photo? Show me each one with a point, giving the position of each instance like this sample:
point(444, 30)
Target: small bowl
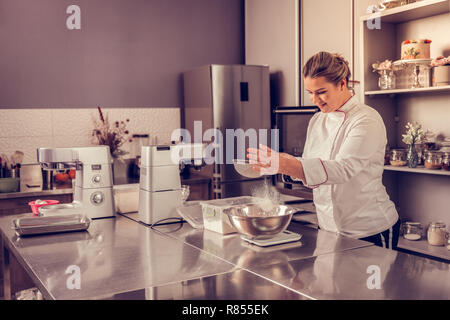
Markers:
point(35, 207)
point(9, 185)
point(245, 168)
point(254, 222)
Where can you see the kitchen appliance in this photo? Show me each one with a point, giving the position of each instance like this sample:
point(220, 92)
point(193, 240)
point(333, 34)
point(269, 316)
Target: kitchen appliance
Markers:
point(229, 97)
point(292, 123)
point(93, 192)
point(285, 236)
point(160, 190)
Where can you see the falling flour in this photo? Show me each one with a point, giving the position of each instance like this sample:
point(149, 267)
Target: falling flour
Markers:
point(268, 197)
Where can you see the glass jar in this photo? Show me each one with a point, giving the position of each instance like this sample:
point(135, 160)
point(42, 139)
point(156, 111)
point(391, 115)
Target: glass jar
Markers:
point(398, 157)
point(412, 230)
point(446, 161)
point(437, 234)
point(387, 80)
point(420, 151)
point(433, 160)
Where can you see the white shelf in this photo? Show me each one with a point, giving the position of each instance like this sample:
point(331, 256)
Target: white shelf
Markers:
point(403, 91)
point(419, 169)
point(413, 11)
point(423, 247)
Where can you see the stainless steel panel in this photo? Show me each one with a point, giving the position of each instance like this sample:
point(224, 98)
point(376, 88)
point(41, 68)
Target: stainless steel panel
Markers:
point(293, 128)
point(243, 119)
point(236, 285)
point(121, 255)
point(350, 275)
point(233, 249)
point(213, 96)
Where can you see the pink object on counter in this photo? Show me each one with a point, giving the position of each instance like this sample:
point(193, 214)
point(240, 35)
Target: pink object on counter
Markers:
point(35, 207)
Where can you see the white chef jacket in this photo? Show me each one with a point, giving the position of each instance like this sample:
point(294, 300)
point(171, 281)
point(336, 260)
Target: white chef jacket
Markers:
point(343, 163)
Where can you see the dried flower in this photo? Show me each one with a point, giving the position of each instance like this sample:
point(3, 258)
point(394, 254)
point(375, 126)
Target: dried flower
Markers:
point(414, 133)
point(114, 137)
point(385, 65)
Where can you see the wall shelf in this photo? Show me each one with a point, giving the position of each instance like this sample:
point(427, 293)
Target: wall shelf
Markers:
point(407, 91)
point(412, 11)
point(419, 169)
point(422, 246)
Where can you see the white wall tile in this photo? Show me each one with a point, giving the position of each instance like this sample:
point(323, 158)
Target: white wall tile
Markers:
point(25, 122)
point(28, 145)
point(29, 129)
point(73, 121)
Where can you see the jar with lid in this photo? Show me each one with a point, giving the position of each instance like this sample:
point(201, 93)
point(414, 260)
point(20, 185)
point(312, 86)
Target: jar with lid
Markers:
point(446, 161)
point(433, 160)
point(398, 157)
point(437, 234)
point(412, 230)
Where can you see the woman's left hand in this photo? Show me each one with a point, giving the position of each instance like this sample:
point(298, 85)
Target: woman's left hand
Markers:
point(268, 161)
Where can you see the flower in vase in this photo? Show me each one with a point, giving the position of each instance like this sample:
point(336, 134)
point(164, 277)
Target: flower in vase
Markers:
point(382, 66)
point(114, 135)
point(414, 134)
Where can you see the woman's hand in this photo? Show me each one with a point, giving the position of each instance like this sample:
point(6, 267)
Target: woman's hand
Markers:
point(268, 161)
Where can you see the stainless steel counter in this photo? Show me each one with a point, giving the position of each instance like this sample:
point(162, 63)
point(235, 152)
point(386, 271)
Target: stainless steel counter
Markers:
point(120, 258)
point(242, 254)
point(353, 275)
point(115, 255)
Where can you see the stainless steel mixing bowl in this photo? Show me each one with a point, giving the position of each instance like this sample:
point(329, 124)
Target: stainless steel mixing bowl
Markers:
point(253, 222)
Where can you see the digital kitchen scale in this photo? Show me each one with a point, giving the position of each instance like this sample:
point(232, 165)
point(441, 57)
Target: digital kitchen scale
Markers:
point(283, 237)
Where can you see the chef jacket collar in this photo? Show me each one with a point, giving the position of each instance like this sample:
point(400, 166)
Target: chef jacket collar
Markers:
point(345, 108)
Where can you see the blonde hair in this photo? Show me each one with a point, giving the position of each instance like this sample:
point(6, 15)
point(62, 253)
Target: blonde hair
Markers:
point(332, 66)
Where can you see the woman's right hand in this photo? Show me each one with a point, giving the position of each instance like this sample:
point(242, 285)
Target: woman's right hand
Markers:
point(269, 161)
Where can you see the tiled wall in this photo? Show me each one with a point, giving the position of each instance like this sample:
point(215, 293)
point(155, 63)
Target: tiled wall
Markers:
point(28, 129)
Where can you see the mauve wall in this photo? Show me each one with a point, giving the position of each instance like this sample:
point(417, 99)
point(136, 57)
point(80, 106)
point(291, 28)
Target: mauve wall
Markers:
point(127, 53)
point(128, 57)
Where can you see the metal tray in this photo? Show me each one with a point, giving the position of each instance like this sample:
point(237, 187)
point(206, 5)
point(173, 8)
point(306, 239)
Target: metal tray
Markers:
point(51, 224)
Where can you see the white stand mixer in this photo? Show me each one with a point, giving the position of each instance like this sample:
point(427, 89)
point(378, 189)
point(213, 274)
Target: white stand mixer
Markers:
point(160, 183)
point(93, 193)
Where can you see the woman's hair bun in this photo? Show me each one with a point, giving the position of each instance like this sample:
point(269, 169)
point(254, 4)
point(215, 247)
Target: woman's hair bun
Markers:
point(333, 66)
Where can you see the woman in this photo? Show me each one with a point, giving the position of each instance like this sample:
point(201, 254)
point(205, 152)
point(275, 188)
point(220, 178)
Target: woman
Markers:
point(343, 157)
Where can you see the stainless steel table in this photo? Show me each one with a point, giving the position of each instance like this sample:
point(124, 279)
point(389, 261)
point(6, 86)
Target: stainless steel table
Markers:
point(233, 249)
point(367, 273)
point(115, 256)
point(121, 258)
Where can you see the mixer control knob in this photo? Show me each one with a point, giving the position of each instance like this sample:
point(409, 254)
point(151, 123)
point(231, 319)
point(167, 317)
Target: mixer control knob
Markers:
point(97, 198)
point(96, 179)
